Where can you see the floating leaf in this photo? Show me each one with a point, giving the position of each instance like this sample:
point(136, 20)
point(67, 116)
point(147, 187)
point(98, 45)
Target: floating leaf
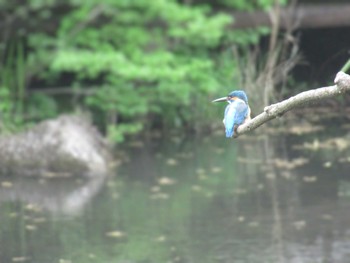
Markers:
point(20, 259)
point(260, 187)
point(116, 234)
point(290, 164)
point(270, 175)
point(299, 225)
point(241, 219)
point(327, 217)
point(200, 171)
point(249, 160)
point(309, 179)
point(286, 174)
point(33, 207)
point(31, 227)
point(216, 169)
point(155, 189)
point(253, 224)
point(202, 177)
point(339, 143)
point(240, 191)
point(39, 220)
point(160, 239)
point(171, 162)
point(166, 181)
point(304, 129)
point(6, 184)
point(159, 196)
point(327, 165)
point(219, 150)
point(196, 188)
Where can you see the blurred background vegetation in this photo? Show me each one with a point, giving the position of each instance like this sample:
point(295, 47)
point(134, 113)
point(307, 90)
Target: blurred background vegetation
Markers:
point(134, 65)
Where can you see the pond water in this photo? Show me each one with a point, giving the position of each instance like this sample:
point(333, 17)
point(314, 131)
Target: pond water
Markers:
point(271, 198)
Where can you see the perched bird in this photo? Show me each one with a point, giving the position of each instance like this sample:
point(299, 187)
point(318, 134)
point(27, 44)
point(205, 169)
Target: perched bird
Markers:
point(237, 111)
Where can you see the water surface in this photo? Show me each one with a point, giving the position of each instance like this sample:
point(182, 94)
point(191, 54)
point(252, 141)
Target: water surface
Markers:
point(273, 198)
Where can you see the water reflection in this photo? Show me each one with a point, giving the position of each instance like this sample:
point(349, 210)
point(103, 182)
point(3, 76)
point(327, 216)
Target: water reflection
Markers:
point(59, 196)
point(199, 200)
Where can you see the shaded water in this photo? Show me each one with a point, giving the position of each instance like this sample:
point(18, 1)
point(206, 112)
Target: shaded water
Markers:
point(200, 200)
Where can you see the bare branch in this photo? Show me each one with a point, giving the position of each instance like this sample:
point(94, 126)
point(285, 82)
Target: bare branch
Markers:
point(342, 85)
point(328, 15)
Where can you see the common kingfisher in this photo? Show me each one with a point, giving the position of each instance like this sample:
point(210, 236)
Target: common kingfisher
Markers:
point(237, 111)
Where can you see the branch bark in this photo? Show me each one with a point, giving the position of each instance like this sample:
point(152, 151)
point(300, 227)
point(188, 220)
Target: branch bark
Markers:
point(303, 16)
point(342, 85)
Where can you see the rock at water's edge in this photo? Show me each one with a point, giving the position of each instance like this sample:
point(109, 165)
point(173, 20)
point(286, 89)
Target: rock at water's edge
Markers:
point(68, 145)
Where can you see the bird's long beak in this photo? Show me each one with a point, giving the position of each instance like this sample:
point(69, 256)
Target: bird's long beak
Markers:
point(220, 99)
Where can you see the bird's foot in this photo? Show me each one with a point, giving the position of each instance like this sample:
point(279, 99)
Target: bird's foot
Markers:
point(235, 135)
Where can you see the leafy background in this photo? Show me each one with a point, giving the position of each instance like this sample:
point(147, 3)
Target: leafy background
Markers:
point(133, 65)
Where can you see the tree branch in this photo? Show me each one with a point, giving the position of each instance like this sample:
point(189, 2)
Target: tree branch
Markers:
point(300, 16)
point(342, 85)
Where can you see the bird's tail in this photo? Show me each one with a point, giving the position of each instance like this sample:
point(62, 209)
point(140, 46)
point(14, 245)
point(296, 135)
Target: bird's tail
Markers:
point(230, 132)
point(229, 120)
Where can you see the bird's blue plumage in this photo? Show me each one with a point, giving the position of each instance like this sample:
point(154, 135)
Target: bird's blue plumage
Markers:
point(236, 112)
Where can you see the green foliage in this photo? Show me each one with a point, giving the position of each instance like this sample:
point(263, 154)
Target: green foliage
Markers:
point(12, 90)
point(152, 60)
point(252, 5)
point(16, 109)
point(117, 133)
point(41, 106)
